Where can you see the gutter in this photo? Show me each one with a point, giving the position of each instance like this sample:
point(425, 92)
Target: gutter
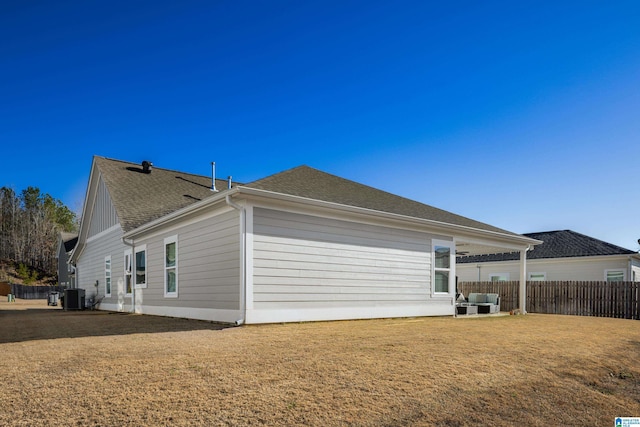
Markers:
point(243, 259)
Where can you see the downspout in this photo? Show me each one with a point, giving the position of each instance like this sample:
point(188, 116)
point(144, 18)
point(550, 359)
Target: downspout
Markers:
point(133, 285)
point(243, 260)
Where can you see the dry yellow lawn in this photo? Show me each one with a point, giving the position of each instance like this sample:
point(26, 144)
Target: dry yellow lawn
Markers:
point(97, 368)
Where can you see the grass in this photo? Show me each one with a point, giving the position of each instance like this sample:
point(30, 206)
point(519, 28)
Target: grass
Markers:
point(95, 368)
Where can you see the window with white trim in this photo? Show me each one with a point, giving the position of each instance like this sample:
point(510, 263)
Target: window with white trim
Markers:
point(171, 267)
point(141, 266)
point(107, 276)
point(537, 277)
point(128, 272)
point(499, 277)
point(614, 275)
point(442, 265)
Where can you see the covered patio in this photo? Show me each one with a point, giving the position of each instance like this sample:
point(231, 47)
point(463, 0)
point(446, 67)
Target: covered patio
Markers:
point(472, 245)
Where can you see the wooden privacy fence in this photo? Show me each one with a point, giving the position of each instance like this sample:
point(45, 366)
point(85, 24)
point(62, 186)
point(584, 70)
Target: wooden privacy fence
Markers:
point(33, 292)
point(601, 299)
point(5, 289)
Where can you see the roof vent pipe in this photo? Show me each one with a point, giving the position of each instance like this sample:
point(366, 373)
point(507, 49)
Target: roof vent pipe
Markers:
point(213, 177)
point(229, 182)
point(146, 166)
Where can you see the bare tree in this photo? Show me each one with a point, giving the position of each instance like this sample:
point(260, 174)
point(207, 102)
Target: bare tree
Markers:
point(29, 226)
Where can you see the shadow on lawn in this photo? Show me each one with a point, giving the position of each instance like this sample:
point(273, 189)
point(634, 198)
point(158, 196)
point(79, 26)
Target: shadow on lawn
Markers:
point(32, 324)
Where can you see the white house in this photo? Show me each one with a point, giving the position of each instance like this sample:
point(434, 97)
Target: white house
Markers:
point(299, 245)
point(564, 255)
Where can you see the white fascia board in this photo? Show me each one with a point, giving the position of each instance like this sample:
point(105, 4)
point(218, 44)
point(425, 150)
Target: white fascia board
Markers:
point(180, 213)
point(517, 242)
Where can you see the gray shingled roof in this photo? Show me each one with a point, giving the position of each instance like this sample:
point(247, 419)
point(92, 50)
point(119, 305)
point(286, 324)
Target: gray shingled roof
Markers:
point(304, 181)
point(140, 197)
point(556, 244)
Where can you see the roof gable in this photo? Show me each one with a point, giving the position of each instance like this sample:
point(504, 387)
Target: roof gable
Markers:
point(304, 181)
point(556, 244)
point(140, 197)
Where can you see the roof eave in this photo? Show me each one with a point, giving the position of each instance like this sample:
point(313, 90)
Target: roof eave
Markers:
point(511, 238)
point(259, 193)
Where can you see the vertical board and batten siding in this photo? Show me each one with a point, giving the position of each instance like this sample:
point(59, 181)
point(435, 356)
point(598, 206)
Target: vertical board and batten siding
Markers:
point(303, 262)
point(208, 265)
point(104, 214)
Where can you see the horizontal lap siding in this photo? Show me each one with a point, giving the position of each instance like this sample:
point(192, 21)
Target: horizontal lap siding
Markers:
point(208, 265)
point(558, 269)
point(301, 261)
point(90, 266)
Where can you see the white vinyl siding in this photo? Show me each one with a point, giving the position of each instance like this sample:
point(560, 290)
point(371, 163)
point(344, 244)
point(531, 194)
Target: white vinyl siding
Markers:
point(559, 269)
point(91, 267)
point(302, 261)
point(208, 260)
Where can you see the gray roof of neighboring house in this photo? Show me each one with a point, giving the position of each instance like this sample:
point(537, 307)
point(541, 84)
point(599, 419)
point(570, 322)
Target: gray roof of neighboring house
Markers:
point(69, 240)
point(556, 244)
point(140, 197)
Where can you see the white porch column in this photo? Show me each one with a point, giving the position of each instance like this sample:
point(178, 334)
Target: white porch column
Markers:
point(523, 282)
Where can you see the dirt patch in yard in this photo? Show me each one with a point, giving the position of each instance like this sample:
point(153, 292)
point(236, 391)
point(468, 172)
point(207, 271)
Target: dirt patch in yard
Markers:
point(93, 368)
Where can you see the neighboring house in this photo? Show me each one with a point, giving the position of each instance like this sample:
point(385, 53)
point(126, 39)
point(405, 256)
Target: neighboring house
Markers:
point(563, 255)
point(299, 245)
point(66, 244)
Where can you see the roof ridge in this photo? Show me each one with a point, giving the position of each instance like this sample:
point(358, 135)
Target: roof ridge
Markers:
point(159, 168)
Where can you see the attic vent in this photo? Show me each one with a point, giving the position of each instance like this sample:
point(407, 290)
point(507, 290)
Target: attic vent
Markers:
point(146, 166)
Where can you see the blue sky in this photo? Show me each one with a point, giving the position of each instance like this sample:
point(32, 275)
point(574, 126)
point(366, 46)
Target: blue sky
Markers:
point(524, 115)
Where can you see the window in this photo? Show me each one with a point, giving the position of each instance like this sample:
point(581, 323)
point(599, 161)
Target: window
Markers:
point(499, 277)
point(614, 275)
point(107, 276)
point(141, 266)
point(128, 282)
point(171, 267)
point(537, 277)
point(442, 275)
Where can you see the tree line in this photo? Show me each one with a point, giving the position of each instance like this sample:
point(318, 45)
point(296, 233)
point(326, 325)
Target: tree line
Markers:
point(30, 222)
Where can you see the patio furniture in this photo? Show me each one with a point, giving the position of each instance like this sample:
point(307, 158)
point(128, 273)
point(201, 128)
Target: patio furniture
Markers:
point(465, 309)
point(486, 303)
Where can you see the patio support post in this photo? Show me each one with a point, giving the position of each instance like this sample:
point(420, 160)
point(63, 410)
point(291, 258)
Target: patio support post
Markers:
point(523, 281)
